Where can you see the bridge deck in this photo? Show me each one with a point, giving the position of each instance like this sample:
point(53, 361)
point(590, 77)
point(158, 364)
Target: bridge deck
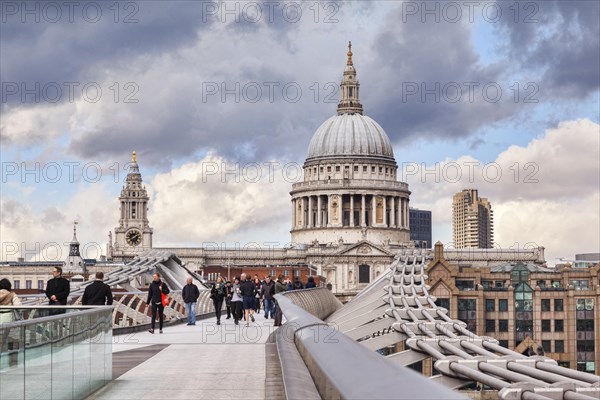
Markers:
point(204, 361)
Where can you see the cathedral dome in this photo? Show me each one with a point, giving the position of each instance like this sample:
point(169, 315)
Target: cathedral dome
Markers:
point(350, 135)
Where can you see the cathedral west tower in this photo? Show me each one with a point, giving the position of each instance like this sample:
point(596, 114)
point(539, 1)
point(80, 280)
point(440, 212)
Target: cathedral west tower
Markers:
point(133, 235)
point(350, 190)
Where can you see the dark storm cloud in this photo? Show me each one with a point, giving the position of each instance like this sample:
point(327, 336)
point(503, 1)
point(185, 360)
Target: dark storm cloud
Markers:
point(562, 36)
point(40, 50)
point(438, 62)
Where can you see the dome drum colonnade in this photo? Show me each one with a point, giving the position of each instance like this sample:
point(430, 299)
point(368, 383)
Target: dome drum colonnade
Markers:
point(350, 191)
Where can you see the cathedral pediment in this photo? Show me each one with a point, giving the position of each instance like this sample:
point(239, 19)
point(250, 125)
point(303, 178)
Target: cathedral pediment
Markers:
point(365, 248)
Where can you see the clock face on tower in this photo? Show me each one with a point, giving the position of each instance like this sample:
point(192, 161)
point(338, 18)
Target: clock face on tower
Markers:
point(134, 237)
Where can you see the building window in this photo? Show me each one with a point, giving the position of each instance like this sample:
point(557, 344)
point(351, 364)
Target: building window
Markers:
point(40, 284)
point(559, 346)
point(28, 284)
point(364, 274)
point(582, 284)
point(546, 346)
point(585, 304)
point(356, 168)
point(523, 298)
point(17, 284)
point(545, 304)
point(463, 284)
point(545, 325)
point(558, 305)
point(486, 284)
point(503, 343)
point(329, 168)
point(490, 305)
point(286, 273)
point(443, 303)
point(502, 325)
point(559, 325)
point(380, 170)
point(467, 312)
point(320, 169)
point(490, 325)
point(297, 273)
point(503, 305)
point(337, 168)
point(364, 168)
point(541, 284)
point(373, 169)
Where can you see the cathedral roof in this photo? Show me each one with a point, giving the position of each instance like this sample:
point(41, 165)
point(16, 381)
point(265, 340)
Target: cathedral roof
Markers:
point(350, 135)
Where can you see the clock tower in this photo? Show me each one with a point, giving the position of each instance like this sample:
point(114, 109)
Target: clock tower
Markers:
point(133, 235)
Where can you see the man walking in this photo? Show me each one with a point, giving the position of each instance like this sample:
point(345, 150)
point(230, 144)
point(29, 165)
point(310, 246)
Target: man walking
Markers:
point(190, 295)
point(268, 290)
point(248, 291)
point(57, 290)
point(279, 288)
point(98, 293)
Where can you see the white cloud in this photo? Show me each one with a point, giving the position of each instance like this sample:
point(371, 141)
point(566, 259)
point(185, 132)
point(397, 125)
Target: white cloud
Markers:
point(547, 193)
point(214, 200)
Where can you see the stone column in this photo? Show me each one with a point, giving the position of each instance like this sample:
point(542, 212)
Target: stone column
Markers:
point(406, 213)
point(373, 211)
point(385, 221)
point(393, 213)
point(351, 209)
point(294, 219)
point(363, 210)
point(310, 217)
point(328, 210)
point(319, 212)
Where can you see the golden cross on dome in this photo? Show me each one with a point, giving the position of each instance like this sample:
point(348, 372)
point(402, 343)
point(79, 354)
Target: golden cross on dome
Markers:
point(349, 53)
point(133, 157)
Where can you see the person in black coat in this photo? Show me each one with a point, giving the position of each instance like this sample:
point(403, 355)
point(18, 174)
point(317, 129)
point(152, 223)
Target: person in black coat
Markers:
point(311, 283)
point(155, 298)
point(98, 293)
point(190, 294)
point(57, 290)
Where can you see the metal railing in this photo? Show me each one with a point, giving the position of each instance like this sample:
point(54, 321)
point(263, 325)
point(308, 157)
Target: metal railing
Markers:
point(130, 308)
point(341, 367)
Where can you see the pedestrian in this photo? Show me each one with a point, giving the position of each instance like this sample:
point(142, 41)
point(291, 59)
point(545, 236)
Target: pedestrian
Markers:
point(236, 300)
point(157, 286)
point(297, 284)
point(7, 298)
point(98, 293)
point(57, 291)
point(217, 294)
point(228, 293)
point(190, 294)
point(311, 283)
point(258, 295)
point(268, 291)
point(289, 284)
point(280, 287)
point(248, 289)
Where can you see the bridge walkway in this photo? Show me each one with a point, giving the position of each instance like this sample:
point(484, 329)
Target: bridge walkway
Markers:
point(205, 361)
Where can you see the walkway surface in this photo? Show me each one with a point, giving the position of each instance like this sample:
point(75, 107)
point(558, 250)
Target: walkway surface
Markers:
point(205, 361)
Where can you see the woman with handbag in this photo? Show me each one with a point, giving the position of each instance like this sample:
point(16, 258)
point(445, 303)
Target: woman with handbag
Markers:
point(155, 293)
point(217, 294)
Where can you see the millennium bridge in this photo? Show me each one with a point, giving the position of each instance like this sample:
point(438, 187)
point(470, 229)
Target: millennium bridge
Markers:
point(363, 349)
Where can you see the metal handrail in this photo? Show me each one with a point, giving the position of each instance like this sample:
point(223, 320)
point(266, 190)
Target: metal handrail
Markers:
point(346, 368)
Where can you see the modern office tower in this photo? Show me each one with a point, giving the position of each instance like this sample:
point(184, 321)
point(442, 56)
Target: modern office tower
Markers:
point(472, 220)
point(420, 227)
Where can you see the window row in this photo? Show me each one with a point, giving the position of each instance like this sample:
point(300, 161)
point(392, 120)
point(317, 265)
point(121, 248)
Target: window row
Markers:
point(28, 284)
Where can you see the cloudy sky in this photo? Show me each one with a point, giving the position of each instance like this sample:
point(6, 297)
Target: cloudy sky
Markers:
point(220, 101)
